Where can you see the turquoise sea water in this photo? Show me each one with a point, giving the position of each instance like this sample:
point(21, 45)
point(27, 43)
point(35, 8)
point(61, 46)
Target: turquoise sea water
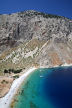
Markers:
point(46, 88)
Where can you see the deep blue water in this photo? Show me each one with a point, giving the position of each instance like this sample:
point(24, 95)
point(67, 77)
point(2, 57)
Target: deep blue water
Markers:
point(46, 88)
point(58, 87)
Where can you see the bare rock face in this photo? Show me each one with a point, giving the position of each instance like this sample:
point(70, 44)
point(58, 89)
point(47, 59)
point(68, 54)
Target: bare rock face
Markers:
point(54, 31)
point(23, 26)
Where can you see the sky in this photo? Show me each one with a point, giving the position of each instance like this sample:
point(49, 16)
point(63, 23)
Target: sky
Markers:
point(57, 7)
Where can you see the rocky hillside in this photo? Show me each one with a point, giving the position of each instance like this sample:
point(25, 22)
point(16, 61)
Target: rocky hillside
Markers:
point(33, 38)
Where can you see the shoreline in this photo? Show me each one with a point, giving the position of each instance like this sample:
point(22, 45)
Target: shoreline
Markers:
point(6, 100)
point(65, 64)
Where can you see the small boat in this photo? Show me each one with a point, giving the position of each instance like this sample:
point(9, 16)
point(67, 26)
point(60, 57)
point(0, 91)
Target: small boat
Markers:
point(40, 70)
point(41, 76)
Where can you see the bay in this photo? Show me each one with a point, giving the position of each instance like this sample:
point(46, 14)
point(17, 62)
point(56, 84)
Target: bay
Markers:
point(46, 88)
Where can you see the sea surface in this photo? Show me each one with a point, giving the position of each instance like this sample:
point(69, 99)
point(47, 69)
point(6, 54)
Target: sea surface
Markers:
point(46, 88)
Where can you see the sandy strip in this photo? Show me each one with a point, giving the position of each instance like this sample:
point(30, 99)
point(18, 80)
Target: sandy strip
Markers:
point(67, 64)
point(6, 101)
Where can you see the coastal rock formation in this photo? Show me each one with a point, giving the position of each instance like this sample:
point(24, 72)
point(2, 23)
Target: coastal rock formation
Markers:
point(33, 38)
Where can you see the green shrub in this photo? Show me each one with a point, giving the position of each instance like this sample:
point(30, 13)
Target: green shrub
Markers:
point(16, 76)
point(17, 71)
point(4, 82)
point(12, 70)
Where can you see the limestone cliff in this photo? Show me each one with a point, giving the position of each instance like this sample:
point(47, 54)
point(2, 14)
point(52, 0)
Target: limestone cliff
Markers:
point(34, 38)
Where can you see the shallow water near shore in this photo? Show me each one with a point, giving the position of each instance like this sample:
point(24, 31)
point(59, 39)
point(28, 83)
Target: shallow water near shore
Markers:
point(46, 88)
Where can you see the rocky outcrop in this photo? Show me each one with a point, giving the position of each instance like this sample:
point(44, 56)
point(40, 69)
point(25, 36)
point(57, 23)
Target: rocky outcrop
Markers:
point(23, 26)
point(50, 34)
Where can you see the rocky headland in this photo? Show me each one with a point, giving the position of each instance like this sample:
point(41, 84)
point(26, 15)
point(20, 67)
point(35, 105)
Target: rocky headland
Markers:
point(32, 38)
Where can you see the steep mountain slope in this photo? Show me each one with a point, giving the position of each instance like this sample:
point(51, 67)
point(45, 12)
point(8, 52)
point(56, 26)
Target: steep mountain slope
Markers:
point(33, 38)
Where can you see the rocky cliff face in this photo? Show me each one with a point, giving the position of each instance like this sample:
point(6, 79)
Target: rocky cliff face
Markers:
point(36, 38)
